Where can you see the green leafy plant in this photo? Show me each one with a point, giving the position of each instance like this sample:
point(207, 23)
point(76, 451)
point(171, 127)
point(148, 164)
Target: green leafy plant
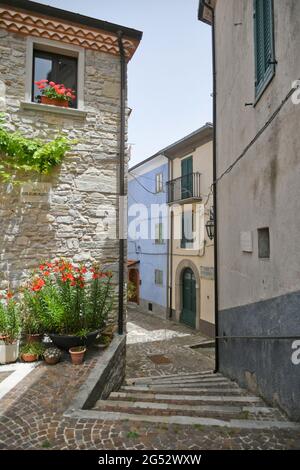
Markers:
point(133, 435)
point(68, 299)
point(131, 290)
point(78, 349)
point(32, 307)
point(19, 153)
point(10, 320)
point(33, 348)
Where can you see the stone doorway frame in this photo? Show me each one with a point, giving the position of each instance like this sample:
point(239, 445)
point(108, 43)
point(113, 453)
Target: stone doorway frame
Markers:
point(186, 263)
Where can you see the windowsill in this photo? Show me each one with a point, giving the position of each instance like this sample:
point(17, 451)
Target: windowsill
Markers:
point(53, 109)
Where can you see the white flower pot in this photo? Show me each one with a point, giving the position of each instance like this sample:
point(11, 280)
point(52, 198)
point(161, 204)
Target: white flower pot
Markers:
point(9, 352)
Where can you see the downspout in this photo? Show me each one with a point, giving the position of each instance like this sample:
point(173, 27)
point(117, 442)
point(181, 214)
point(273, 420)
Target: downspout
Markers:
point(170, 250)
point(215, 187)
point(122, 192)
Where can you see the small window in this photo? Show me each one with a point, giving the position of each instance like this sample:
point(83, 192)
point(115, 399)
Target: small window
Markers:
point(150, 307)
point(263, 243)
point(159, 239)
point(264, 44)
point(158, 277)
point(58, 68)
point(159, 182)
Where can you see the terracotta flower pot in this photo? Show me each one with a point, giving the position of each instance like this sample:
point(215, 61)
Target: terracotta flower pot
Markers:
point(77, 354)
point(52, 360)
point(34, 338)
point(29, 357)
point(54, 102)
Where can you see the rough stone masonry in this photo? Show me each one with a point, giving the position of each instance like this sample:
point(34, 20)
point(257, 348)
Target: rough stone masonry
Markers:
point(74, 212)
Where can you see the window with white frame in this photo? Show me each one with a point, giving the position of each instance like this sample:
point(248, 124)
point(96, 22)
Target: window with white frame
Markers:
point(56, 68)
point(62, 64)
point(159, 183)
point(158, 277)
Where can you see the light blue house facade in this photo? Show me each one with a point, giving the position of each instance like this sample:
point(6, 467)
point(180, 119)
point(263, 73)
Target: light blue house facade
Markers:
point(148, 233)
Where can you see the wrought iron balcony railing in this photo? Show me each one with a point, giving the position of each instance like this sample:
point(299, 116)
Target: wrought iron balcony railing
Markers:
point(184, 187)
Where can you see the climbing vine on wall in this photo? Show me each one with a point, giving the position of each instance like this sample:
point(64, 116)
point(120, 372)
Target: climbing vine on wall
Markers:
point(19, 153)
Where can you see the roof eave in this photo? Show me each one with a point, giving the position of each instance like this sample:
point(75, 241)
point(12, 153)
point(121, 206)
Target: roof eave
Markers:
point(204, 12)
point(72, 17)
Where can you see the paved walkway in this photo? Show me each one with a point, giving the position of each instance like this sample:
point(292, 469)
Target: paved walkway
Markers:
point(31, 415)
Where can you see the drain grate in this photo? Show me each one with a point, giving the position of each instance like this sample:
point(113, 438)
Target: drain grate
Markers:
point(159, 359)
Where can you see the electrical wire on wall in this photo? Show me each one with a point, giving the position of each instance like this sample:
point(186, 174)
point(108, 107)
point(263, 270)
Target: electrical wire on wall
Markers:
point(253, 141)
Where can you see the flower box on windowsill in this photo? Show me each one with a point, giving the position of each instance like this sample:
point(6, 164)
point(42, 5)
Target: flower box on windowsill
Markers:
point(71, 112)
point(54, 102)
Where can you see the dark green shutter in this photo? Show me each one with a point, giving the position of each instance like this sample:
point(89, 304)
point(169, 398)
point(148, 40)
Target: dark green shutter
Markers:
point(264, 43)
point(187, 178)
point(183, 239)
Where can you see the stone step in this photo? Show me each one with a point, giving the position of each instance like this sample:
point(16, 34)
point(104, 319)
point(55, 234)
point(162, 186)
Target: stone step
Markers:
point(187, 390)
point(195, 421)
point(186, 398)
point(173, 376)
point(197, 384)
point(184, 382)
point(169, 409)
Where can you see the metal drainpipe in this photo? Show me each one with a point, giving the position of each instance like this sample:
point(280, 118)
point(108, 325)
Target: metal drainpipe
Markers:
point(122, 192)
point(171, 246)
point(215, 187)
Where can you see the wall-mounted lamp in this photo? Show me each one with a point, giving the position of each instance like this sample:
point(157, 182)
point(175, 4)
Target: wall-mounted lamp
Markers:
point(210, 226)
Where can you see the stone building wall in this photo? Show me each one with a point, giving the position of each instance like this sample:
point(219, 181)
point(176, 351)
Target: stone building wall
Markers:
point(77, 215)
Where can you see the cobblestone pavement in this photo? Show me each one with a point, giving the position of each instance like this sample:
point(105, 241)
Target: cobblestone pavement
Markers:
point(31, 415)
point(176, 349)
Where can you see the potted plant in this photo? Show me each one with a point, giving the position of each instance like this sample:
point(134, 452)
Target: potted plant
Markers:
point(52, 355)
point(31, 352)
point(10, 327)
point(55, 93)
point(77, 354)
point(74, 301)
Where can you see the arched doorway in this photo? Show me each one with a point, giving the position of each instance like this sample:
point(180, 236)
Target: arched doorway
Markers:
point(188, 296)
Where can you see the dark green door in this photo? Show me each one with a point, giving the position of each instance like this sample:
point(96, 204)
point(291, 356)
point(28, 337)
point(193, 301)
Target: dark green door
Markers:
point(187, 178)
point(188, 314)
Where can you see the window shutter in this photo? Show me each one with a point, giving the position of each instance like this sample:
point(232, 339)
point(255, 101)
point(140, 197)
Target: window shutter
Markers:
point(259, 36)
point(160, 233)
point(264, 43)
point(156, 233)
point(183, 239)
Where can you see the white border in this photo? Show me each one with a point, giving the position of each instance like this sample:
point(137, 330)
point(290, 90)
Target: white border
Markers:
point(19, 372)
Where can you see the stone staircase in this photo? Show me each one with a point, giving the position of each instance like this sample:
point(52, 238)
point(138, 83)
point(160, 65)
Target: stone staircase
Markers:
point(199, 399)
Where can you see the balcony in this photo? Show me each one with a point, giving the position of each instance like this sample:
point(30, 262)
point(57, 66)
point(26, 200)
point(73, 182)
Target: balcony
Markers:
point(184, 189)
